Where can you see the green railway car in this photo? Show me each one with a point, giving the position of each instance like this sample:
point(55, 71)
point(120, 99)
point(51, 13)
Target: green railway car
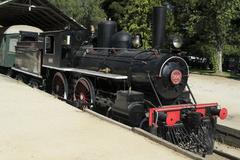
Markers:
point(8, 40)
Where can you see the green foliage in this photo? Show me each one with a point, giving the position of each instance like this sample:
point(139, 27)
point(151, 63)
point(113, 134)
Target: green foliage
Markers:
point(86, 12)
point(210, 50)
point(210, 22)
point(201, 49)
point(115, 8)
point(137, 19)
point(231, 50)
point(135, 16)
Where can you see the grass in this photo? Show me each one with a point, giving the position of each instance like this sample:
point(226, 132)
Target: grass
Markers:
point(219, 74)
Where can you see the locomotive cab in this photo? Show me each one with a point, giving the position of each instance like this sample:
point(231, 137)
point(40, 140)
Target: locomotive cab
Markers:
point(60, 46)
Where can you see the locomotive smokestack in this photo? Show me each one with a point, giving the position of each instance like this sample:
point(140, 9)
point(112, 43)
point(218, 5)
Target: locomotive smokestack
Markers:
point(158, 27)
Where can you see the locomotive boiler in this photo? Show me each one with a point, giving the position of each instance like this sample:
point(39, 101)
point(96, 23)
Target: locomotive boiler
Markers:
point(144, 88)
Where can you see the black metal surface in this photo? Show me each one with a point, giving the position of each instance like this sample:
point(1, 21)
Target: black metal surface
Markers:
point(131, 105)
point(158, 35)
point(62, 55)
point(154, 89)
point(189, 89)
point(105, 31)
point(121, 40)
point(199, 140)
point(124, 99)
point(136, 64)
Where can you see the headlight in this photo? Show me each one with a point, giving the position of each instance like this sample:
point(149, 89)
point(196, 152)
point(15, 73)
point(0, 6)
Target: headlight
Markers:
point(177, 42)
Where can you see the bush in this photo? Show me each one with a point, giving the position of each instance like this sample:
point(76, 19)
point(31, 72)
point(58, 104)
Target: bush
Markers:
point(205, 50)
point(231, 50)
point(210, 51)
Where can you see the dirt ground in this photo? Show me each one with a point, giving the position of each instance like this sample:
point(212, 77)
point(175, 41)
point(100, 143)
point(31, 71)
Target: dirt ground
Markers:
point(225, 91)
point(37, 126)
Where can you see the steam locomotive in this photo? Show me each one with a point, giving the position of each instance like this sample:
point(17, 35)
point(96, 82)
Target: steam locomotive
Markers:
point(144, 88)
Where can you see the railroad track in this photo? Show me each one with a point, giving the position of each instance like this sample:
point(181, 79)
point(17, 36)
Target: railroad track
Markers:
point(227, 145)
point(224, 155)
point(224, 152)
point(228, 136)
point(221, 151)
point(147, 135)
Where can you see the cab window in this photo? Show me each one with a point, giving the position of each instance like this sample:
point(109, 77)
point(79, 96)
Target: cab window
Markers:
point(49, 44)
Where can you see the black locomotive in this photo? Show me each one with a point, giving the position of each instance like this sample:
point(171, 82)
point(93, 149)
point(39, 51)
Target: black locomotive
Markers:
point(143, 88)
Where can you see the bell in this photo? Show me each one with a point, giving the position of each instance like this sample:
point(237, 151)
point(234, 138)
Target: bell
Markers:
point(137, 41)
point(92, 29)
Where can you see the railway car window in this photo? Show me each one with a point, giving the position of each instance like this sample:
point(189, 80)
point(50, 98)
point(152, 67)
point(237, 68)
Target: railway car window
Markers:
point(25, 38)
point(49, 44)
point(12, 45)
point(28, 36)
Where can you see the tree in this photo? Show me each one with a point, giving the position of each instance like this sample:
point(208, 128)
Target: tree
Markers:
point(135, 16)
point(208, 21)
point(114, 8)
point(217, 20)
point(86, 12)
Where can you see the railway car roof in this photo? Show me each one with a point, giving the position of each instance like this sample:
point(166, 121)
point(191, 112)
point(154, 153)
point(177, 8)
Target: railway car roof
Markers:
point(18, 28)
point(38, 13)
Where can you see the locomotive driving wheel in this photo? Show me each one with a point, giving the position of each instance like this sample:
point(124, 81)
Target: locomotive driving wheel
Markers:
point(84, 93)
point(60, 85)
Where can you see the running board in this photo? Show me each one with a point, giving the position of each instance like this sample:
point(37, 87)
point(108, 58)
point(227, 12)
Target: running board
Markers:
point(89, 72)
point(26, 72)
